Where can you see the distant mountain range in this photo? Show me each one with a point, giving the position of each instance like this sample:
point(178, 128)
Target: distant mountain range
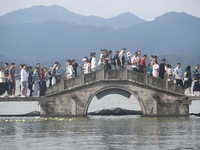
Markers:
point(41, 14)
point(42, 34)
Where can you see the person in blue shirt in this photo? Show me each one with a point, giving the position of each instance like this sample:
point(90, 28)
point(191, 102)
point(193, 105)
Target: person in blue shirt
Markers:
point(179, 75)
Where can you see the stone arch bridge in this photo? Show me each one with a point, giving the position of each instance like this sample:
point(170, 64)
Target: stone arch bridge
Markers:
point(72, 97)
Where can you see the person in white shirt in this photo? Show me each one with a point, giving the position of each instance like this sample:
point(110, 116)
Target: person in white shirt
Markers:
point(135, 62)
point(69, 69)
point(93, 62)
point(86, 66)
point(24, 79)
point(128, 60)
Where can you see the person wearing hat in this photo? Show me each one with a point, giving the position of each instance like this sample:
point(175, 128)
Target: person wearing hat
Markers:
point(128, 60)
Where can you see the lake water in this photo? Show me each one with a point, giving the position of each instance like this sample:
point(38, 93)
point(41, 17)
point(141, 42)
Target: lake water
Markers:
point(99, 133)
point(102, 132)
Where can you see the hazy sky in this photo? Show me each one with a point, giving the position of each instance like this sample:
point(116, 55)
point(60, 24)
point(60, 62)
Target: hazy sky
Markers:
point(145, 9)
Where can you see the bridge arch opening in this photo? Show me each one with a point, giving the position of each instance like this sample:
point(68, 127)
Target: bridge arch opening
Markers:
point(112, 99)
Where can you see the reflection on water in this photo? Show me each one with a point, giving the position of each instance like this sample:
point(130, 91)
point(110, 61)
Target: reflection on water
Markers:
point(97, 132)
point(114, 101)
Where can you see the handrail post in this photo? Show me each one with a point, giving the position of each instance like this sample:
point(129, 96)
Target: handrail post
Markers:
point(146, 79)
point(127, 74)
point(82, 78)
point(167, 84)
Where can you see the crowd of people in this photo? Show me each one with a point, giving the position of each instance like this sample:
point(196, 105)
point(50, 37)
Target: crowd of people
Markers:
point(32, 79)
point(37, 80)
point(135, 62)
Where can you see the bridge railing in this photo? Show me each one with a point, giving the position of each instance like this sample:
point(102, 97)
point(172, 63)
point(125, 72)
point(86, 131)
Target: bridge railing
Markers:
point(122, 74)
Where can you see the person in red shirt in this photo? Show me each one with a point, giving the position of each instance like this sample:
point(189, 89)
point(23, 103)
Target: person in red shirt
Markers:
point(143, 63)
point(43, 85)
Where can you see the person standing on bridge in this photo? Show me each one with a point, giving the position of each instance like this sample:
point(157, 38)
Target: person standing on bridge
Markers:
point(43, 84)
point(128, 60)
point(54, 75)
point(6, 73)
point(58, 73)
point(169, 73)
point(36, 79)
point(188, 79)
point(162, 69)
point(150, 65)
point(75, 65)
point(93, 62)
point(135, 61)
point(12, 81)
point(2, 82)
point(106, 59)
point(179, 75)
point(100, 62)
point(143, 63)
point(69, 69)
point(156, 69)
point(19, 77)
point(24, 80)
point(86, 66)
point(110, 59)
point(196, 77)
point(122, 57)
point(116, 61)
point(30, 80)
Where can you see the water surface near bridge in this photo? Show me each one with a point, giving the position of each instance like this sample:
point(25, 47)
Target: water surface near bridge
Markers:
point(102, 132)
point(97, 133)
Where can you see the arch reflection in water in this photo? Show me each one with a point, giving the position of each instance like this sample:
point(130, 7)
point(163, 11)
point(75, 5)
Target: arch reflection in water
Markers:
point(114, 101)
